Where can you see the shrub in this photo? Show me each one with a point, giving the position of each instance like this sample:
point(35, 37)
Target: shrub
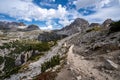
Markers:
point(9, 64)
point(21, 46)
point(9, 67)
point(94, 29)
point(114, 27)
point(55, 60)
point(13, 71)
point(35, 57)
point(1, 60)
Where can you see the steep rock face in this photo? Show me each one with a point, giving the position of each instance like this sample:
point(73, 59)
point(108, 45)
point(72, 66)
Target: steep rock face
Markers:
point(79, 25)
point(32, 27)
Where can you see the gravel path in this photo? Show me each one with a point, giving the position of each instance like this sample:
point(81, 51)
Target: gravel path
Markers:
point(84, 68)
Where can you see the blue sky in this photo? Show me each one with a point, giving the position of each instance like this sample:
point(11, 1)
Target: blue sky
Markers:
point(55, 14)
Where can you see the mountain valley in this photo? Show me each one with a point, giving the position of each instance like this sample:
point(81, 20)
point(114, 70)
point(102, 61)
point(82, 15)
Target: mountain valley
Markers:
point(79, 51)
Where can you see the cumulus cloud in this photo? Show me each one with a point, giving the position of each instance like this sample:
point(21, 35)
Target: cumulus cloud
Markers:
point(50, 27)
point(102, 14)
point(26, 10)
point(103, 9)
point(95, 3)
point(84, 3)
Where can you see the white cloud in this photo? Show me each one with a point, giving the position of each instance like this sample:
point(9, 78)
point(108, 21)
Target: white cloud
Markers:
point(104, 13)
point(64, 22)
point(96, 3)
point(26, 10)
point(102, 3)
point(53, 0)
point(50, 27)
point(70, 17)
point(103, 9)
point(84, 3)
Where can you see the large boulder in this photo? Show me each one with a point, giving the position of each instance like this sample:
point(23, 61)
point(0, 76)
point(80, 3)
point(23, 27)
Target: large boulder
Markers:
point(18, 62)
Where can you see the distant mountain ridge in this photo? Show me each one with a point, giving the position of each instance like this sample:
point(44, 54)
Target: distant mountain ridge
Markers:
point(80, 25)
point(16, 26)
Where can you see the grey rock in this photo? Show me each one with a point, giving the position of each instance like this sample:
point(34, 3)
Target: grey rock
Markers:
point(110, 64)
point(78, 77)
point(18, 62)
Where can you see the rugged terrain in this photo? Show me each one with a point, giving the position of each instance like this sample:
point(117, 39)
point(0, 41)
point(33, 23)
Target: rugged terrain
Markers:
point(79, 51)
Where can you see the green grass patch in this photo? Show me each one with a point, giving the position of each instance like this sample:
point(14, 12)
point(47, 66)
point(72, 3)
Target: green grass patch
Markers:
point(94, 29)
point(1, 60)
point(35, 57)
point(114, 27)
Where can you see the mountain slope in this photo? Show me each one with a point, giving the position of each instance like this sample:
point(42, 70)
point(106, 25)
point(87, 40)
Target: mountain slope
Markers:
point(95, 54)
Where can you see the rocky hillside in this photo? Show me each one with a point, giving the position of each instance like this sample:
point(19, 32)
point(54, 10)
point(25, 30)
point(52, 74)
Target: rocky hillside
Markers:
point(95, 55)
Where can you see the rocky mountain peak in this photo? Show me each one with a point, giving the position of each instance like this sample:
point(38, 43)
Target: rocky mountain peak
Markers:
point(32, 27)
point(107, 22)
point(80, 21)
point(78, 25)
